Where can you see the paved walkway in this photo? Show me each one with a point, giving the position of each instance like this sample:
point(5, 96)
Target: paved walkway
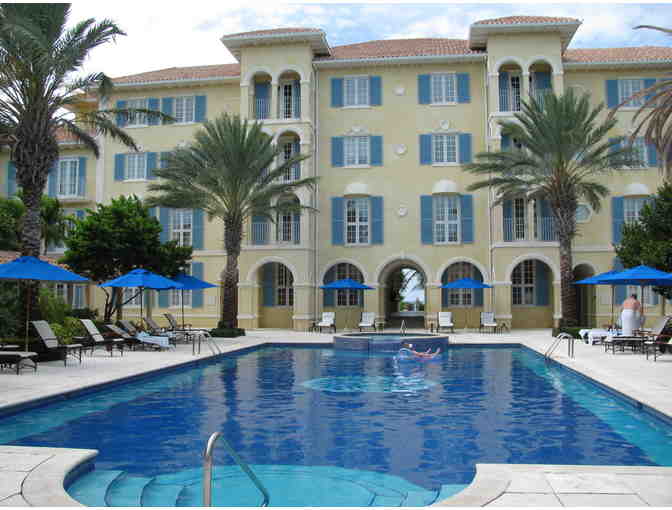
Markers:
point(34, 476)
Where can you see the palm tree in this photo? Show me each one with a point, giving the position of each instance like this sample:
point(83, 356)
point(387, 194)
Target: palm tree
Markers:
point(232, 170)
point(53, 221)
point(564, 151)
point(654, 116)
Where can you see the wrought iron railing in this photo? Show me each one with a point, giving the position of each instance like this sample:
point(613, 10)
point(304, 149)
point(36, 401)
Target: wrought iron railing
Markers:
point(262, 108)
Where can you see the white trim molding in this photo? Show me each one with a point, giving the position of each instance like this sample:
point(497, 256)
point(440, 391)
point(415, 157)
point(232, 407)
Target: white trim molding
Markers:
point(332, 263)
point(531, 256)
point(401, 257)
point(455, 260)
point(252, 273)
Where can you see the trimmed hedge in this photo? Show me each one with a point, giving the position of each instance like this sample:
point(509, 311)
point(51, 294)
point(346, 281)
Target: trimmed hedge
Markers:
point(227, 332)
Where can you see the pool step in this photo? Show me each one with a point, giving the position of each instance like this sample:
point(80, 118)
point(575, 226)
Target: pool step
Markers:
point(126, 490)
point(155, 494)
point(418, 498)
point(91, 488)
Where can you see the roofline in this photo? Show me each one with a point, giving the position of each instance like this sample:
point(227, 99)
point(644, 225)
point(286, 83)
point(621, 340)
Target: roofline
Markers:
point(412, 59)
point(185, 81)
point(546, 23)
point(314, 35)
point(567, 28)
point(611, 63)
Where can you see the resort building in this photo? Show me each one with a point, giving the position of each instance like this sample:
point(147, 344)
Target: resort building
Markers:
point(388, 126)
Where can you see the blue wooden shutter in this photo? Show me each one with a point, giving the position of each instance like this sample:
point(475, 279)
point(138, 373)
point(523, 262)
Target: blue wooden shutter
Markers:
point(151, 165)
point(467, 218)
point(463, 93)
point(542, 283)
point(200, 108)
point(121, 118)
point(337, 224)
point(651, 155)
point(268, 284)
point(546, 228)
point(164, 298)
point(260, 234)
point(153, 104)
point(543, 80)
point(649, 82)
point(620, 291)
point(376, 150)
point(197, 295)
point(328, 295)
point(504, 91)
point(296, 170)
point(611, 93)
point(337, 151)
point(617, 219)
point(507, 208)
point(79, 214)
point(444, 292)
point(465, 147)
point(164, 219)
point(167, 106)
point(261, 90)
point(119, 164)
point(375, 90)
point(52, 180)
point(478, 293)
point(197, 229)
point(426, 219)
point(425, 149)
point(506, 142)
point(297, 98)
point(377, 225)
point(424, 89)
point(82, 176)
point(11, 179)
point(297, 228)
point(163, 159)
point(337, 92)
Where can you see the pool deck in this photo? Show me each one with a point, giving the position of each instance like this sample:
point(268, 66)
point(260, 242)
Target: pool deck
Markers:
point(33, 476)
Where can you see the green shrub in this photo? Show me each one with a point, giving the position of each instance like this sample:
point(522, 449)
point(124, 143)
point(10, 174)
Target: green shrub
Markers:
point(84, 313)
point(70, 328)
point(227, 332)
point(574, 331)
point(9, 311)
point(53, 309)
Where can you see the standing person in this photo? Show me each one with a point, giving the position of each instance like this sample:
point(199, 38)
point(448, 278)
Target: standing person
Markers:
point(630, 315)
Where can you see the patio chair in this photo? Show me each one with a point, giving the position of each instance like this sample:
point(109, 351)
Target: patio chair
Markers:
point(50, 342)
point(146, 339)
point(658, 338)
point(154, 329)
point(188, 331)
point(488, 321)
point(129, 327)
point(446, 321)
point(98, 340)
point(174, 325)
point(19, 359)
point(368, 320)
point(328, 321)
point(130, 341)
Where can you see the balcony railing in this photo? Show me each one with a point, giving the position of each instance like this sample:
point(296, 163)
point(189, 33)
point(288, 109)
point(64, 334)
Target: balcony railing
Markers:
point(289, 232)
point(262, 108)
point(545, 230)
point(260, 233)
point(516, 229)
point(285, 233)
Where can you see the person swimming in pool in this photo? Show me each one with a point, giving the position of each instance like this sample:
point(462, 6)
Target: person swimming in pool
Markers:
point(428, 354)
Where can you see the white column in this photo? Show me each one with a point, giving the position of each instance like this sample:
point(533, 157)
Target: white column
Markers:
point(273, 114)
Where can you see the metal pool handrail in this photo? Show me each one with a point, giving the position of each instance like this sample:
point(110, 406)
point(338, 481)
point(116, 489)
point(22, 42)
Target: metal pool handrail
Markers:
point(557, 341)
point(207, 470)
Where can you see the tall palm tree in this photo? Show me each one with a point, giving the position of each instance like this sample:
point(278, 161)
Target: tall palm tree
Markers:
point(53, 221)
point(564, 153)
point(654, 116)
point(232, 170)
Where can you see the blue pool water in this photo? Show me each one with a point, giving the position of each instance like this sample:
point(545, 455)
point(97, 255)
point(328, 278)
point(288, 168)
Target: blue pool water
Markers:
point(326, 428)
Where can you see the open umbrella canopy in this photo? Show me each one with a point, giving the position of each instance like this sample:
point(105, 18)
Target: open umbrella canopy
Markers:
point(640, 275)
point(143, 278)
point(191, 283)
point(466, 283)
point(346, 283)
point(31, 268)
point(597, 279)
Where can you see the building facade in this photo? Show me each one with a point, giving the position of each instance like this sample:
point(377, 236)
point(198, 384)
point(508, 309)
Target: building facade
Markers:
point(388, 126)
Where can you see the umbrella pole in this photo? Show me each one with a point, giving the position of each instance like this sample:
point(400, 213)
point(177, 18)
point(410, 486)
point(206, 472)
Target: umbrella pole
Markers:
point(27, 315)
point(182, 301)
point(612, 308)
point(142, 298)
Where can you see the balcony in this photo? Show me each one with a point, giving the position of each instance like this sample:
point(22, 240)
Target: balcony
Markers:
point(516, 229)
point(289, 232)
point(260, 233)
point(262, 108)
point(286, 233)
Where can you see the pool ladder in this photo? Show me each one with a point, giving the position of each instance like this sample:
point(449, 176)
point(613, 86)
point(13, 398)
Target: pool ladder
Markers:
point(207, 470)
point(402, 329)
point(557, 341)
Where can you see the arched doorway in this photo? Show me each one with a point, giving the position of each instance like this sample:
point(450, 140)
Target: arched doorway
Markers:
point(276, 296)
point(585, 297)
point(532, 295)
point(465, 304)
point(348, 304)
point(403, 297)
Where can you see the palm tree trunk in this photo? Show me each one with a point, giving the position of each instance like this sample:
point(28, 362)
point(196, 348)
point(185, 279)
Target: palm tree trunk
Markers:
point(233, 237)
point(567, 294)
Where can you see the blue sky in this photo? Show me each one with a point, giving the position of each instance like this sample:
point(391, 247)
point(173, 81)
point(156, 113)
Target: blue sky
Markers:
point(182, 34)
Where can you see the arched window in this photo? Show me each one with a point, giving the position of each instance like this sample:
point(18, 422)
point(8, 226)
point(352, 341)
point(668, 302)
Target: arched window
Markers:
point(343, 297)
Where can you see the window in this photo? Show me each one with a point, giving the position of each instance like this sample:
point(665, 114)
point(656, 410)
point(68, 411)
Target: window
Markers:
point(286, 101)
point(284, 286)
point(181, 226)
point(133, 294)
point(349, 297)
point(627, 88)
point(582, 213)
point(522, 280)
point(357, 220)
point(444, 148)
point(509, 92)
point(443, 88)
point(137, 119)
point(356, 91)
point(178, 298)
point(136, 166)
point(460, 297)
point(68, 178)
point(446, 219)
point(519, 218)
point(646, 294)
point(287, 153)
point(357, 150)
point(70, 215)
point(184, 109)
point(632, 208)
point(72, 294)
point(639, 153)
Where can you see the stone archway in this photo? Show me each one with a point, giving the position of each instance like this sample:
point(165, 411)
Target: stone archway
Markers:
point(402, 293)
point(532, 294)
point(585, 296)
point(276, 296)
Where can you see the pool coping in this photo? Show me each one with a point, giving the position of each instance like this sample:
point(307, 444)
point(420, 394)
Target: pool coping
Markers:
point(46, 484)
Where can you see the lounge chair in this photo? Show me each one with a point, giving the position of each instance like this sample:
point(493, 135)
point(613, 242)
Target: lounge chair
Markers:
point(129, 327)
point(488, 321)
point(328, 321)
point(657, 342)
point(368, 320)
point(188, 331)
point(155, 330)
point(98, 340)
point(50, 342)
point(445, 321)
point(146, 339)
point(131, 341)
point(174, 325)
point(19, 359)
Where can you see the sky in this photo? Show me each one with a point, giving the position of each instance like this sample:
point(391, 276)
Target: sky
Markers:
point(169, 34)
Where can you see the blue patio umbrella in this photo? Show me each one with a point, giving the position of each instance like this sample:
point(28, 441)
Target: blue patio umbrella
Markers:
point(642, 276)
point(348, 284)
point(189, 282)
point(466, 283)
point(142, 279)
point(32, 268)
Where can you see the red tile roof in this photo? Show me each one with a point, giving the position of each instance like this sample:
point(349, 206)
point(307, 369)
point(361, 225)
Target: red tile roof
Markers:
point(272, 31)
point(631, 54)
point(525, 20)
point(182, 73)
point(402, 48)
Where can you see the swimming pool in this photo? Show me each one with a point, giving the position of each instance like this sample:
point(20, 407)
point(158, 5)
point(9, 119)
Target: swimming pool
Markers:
point(327, 428)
